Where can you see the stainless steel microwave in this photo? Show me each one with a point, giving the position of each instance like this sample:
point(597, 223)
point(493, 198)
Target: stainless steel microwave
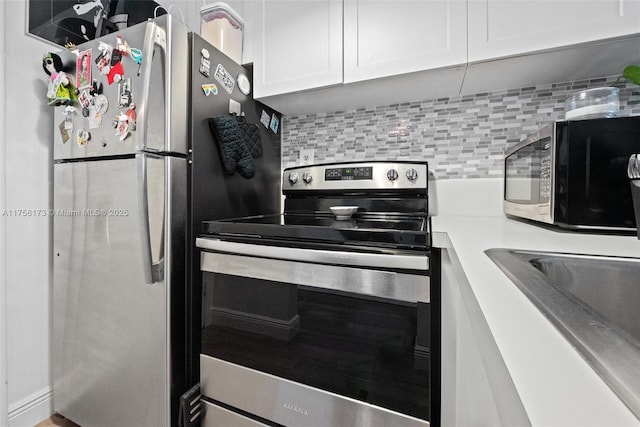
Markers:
point(573, 174)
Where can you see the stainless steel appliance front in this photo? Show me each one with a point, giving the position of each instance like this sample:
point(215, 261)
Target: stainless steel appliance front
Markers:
point(357, 175)
point(573, 174)
point(272, 349)
point(529, 177)
point(287, 402)
point(341, 271)
point(111, 323)
point(313, 320)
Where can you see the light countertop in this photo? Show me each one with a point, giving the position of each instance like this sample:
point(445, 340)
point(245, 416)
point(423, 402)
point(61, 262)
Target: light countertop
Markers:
point(555, 384)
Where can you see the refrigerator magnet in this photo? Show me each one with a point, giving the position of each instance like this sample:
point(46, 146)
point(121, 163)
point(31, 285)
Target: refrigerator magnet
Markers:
point(65, 134)
point(84, 98)
point(205, 64)
point(60, 90)
point(136, 55)
point(68, 113)
point(83, 67)
point(265, 119)
point(85, 102)
point(116, 56)
point(95, 89)
point(122, 47)
point(101, 103)
point(124, 93)
point(122, 127)
point(275, 122)
point(95, 118)
point(243, 84)
point(82, 137)
point(224, 78)
point(132, 117)
point(103, 60)
point(115, 73)
point(210, 88)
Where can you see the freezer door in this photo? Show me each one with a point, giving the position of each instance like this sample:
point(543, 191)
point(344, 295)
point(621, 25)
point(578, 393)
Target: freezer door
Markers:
point(142, 106)
point(111, 325)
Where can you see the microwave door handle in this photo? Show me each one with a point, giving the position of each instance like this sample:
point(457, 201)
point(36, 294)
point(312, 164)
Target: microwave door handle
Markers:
point(587, 170)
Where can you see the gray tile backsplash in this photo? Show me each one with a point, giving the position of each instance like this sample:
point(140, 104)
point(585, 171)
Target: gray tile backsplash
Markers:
point(461, 137)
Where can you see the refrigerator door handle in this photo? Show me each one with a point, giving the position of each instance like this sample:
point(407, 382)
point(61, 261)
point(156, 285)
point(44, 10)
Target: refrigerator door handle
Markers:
point(153, 270)
point(154, 36)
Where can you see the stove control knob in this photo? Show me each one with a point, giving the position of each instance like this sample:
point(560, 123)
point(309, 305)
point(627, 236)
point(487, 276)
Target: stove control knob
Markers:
point(306, 177)
point(412, 174)
point(293, 178)
point(392, 174)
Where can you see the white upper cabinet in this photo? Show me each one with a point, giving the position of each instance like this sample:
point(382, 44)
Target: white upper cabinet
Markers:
point(376, 52)
point(502, 28)
point(385, 38)
point(297, 45)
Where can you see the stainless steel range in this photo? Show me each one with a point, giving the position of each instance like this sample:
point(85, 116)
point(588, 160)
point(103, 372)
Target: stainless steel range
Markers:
point(321, 316)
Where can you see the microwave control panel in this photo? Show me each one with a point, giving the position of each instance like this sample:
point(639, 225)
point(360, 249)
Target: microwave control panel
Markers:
point(545, 171)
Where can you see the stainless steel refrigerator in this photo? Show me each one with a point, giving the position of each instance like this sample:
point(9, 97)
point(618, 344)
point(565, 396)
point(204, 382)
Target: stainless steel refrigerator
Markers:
point(135, 172)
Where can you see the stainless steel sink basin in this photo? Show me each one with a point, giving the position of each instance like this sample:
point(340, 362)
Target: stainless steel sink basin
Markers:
point(595, 303)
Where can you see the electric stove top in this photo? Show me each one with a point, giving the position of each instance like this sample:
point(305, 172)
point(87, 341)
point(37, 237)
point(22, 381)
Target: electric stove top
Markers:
point(373, 230)
point(391, 197)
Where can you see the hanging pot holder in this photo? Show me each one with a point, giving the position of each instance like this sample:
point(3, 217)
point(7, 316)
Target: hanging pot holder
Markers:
point(233, 150)
point(251, 136)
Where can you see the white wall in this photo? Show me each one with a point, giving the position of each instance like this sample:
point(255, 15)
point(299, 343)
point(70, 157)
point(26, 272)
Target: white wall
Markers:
point(28, 169)
point(3, 287)
point(186, 11)
point(466, 197)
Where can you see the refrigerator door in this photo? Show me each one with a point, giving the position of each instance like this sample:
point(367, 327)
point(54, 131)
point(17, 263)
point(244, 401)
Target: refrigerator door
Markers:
point(112, 356)
point(143, 108)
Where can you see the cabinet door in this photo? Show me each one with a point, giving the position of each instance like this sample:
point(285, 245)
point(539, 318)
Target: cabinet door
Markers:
point(297, 45)
point(500, 28)
point(383, 38)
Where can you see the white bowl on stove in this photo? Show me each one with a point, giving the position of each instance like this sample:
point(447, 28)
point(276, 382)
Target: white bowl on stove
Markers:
point(343, 213)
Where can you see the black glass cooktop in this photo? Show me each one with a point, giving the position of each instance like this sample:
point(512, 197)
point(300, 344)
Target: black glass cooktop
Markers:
point(398, 231)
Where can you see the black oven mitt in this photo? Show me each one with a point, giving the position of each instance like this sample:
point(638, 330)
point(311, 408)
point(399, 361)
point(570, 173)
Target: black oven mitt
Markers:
point(251, 136)
point(233, 150)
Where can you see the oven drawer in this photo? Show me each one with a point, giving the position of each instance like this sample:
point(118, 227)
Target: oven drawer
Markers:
point(286, 402)
point(216, 416)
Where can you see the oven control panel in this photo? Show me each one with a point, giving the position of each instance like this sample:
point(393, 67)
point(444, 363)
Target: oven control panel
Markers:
point(354, 176)
point(345, 174)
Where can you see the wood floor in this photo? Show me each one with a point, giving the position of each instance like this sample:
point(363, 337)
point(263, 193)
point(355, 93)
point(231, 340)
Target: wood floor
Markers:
point(56, 420)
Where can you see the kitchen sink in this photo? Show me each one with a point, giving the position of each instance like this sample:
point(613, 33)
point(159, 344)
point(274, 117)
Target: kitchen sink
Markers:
point(594, 301)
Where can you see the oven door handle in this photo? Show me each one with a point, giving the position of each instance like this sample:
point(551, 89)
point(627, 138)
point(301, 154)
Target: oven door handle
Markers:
point(351, 259)
point(389, 285)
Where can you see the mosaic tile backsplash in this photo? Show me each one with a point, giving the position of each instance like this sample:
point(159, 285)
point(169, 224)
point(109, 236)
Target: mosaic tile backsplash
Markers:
point(461, 137)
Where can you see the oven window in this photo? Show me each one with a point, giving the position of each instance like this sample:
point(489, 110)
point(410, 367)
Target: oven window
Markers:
point(528, 174)
point(375, 351)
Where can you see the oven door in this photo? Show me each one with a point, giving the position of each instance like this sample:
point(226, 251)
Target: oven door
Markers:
point(316, 337)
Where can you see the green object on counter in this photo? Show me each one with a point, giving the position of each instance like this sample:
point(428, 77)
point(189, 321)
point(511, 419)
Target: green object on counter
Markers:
point(632, 73)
